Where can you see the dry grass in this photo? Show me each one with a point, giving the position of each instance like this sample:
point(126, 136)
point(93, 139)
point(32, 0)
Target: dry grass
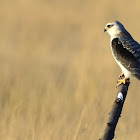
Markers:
point(57, 73)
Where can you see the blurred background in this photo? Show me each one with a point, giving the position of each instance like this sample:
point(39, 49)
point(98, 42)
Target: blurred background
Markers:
point(58, 76)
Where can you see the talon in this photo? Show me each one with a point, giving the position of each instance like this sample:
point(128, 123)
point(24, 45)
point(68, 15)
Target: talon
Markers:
point(123, 81)
point(122, 74)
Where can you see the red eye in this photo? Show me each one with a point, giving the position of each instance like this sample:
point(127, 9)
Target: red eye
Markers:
point(108, 26)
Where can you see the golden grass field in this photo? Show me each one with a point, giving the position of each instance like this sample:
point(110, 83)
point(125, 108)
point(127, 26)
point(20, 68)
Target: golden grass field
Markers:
point(58, 76)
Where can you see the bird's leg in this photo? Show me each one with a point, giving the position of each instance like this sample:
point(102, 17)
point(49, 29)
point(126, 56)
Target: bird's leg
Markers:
point(123, 81)
point(122, 74)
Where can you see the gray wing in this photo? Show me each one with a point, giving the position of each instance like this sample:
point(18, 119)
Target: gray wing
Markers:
point(127, 52)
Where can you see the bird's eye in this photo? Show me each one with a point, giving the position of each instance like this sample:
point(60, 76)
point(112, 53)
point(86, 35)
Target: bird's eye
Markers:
point(109, 26)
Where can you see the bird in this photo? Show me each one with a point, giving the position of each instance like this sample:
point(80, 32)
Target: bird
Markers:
point(125, 50)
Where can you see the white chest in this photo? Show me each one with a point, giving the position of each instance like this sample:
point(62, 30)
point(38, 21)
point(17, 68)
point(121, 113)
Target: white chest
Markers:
point(127, 73)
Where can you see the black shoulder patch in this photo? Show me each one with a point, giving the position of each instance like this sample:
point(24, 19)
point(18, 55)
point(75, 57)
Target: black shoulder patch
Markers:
point(115, 42)
point(122, 54)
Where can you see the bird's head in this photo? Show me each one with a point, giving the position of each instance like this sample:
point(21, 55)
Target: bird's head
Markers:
point(114, 28)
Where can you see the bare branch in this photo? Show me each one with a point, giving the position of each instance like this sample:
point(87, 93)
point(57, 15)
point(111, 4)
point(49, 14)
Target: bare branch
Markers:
point(115, 112)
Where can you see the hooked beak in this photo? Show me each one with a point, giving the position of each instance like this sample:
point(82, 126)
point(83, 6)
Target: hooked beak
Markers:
point(105, 30)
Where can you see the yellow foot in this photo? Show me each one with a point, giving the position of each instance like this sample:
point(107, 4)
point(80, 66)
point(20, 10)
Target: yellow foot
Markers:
point(122, 74)
point(123, 81)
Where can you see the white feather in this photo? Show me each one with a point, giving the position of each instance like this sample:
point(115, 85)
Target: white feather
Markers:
point(120, 96)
